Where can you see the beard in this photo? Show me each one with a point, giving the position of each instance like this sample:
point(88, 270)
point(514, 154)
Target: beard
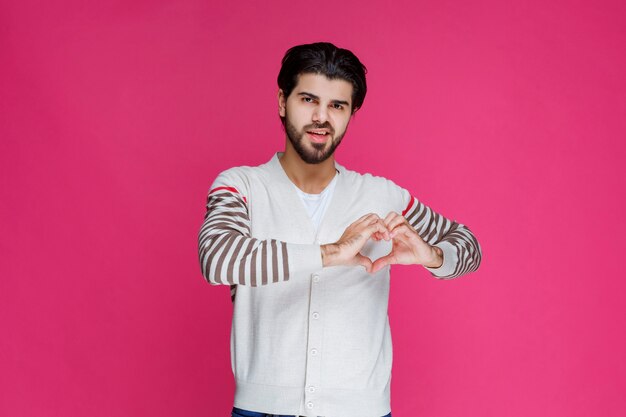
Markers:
point(319, 153)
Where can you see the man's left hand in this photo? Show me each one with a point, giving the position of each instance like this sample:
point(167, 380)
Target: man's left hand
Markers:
point(408, 246)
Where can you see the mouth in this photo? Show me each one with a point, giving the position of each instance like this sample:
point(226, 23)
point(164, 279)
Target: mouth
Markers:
point(318, 136)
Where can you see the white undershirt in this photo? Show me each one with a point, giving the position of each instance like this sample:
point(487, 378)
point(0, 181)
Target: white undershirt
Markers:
point(316, 204)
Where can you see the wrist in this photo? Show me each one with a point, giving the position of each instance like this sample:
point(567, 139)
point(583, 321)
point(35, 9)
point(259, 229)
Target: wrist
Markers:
point(328, 254)
point(437, 258)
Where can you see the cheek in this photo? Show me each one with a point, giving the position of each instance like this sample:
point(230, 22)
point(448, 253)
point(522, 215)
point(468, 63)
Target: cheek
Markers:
point(297, 116)
point(341, 125)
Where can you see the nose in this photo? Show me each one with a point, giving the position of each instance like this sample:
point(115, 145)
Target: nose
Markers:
point(320, 114)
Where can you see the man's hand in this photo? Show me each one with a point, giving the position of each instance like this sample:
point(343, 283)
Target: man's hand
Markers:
point(408, 246)
point(346, 250)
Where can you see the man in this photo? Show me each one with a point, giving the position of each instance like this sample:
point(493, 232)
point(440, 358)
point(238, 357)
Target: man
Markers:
point(306, 246)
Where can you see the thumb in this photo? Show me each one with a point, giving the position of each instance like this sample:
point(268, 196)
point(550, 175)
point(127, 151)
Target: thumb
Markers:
point(382, 262)
point(363, 261)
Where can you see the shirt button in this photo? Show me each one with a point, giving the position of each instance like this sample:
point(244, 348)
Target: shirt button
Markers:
point(316, 315)
point(309, 405)
point(311, 389)
point(316, 278)
point(313, 352)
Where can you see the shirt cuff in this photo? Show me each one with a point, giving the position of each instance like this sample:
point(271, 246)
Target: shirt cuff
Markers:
point(450, 260)
point(304, 258)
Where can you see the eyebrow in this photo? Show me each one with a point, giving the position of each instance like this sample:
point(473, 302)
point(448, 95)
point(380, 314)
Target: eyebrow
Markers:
point(313, 96)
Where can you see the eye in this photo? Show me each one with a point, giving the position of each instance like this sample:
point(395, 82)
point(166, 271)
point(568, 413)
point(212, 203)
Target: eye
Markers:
point(307, 99)
point(338, 106)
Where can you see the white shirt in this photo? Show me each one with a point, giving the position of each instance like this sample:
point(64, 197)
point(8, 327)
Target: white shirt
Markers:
point(316, 204)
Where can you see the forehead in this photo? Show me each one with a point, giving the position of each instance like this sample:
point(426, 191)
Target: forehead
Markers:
point(323, 87)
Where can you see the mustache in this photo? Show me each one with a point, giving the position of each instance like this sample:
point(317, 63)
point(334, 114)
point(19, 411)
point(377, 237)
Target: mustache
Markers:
point(320, 126)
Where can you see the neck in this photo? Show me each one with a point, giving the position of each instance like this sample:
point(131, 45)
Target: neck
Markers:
point(310, 178)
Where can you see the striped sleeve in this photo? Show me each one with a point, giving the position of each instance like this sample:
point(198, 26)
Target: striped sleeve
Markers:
point(461, 250)
point(229, 255)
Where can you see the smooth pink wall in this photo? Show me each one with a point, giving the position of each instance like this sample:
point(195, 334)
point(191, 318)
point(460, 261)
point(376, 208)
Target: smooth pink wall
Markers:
point(116, 116)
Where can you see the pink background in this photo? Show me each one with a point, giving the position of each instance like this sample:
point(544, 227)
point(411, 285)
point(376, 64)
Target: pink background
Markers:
point(115, 118)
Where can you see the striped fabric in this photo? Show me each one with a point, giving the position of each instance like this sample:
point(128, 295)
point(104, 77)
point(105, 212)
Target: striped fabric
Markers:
point(228, 255)
point(435, 228)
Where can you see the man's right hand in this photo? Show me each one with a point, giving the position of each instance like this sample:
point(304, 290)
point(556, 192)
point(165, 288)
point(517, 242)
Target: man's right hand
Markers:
point(346, 250)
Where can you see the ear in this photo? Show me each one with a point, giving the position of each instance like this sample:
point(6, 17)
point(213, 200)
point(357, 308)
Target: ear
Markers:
point(282, 102)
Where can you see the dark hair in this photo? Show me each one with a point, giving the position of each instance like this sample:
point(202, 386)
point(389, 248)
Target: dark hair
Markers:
point(326, 59)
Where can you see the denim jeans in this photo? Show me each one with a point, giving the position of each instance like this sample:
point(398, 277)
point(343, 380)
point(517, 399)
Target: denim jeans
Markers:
point(237, 412)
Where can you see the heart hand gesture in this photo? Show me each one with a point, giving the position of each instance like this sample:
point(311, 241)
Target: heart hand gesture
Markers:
point(346, 250)
point(408, 246)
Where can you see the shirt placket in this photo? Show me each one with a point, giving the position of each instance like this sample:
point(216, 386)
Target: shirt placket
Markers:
point(312, 385)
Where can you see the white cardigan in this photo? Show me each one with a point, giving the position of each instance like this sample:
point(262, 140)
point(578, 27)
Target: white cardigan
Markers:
point(309, 340)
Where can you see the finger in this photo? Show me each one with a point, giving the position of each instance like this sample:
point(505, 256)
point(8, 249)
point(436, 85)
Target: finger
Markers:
point(378, 236)
point(382, 262)
point(389, 217)
point(395, 222)
point(364, 261)
point(402, 240)
point(371, 219)
point(403, 229)
point(375, 227)
point(385, 234)
point(366, 218)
